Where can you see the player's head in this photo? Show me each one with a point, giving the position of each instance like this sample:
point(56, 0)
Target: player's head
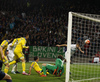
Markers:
point(77, 43)
point(9, 37)
point(27, 36)
point(60, 56)
point(36, 58)
point(19, 35)
point(13, 37)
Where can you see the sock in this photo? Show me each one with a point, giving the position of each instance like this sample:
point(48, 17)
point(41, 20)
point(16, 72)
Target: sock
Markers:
point(13, 62)
point(13, 69)
point(16, 67)
point(8, 80)
point(44, 70)
point(6, 69)
point(23, 66)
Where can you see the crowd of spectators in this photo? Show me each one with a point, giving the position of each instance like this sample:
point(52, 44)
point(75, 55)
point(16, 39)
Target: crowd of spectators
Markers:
point(45, 20)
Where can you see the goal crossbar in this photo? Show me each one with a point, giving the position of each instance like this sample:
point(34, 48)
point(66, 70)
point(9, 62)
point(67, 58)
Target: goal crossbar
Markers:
point(85, 17)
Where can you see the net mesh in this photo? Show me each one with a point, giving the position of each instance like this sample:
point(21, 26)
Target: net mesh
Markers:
point(82, 64)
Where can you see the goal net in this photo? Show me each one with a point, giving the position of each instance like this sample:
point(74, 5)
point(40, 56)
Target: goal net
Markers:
point(83, 62)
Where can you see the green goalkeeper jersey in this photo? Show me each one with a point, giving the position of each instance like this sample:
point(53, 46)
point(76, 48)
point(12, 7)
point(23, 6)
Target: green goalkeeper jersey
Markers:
point(58, 62)
point(59, 65)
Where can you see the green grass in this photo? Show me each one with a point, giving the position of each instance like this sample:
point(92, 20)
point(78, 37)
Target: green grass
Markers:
point(78, 71)
point(85, 71)
point(34, 77)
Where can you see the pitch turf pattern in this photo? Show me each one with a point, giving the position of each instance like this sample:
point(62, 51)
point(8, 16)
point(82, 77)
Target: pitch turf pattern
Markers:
point(34, 77)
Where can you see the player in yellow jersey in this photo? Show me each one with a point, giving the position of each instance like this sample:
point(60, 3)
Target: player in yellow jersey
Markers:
point(20, 44)
point(35, 66)
point(3, 48)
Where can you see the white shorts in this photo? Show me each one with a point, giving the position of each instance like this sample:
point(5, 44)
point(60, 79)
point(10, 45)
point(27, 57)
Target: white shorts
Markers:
point(11, 55)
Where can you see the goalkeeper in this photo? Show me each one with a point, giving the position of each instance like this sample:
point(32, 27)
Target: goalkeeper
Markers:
point(57, 69)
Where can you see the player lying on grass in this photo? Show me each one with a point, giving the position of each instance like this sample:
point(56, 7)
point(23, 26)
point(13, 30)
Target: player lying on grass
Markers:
point(74, 47)
point(35, 66)
point(57, 69)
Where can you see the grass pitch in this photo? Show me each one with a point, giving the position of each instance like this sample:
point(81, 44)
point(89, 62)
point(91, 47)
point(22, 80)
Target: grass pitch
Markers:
point(34, 77)
point(79, 73)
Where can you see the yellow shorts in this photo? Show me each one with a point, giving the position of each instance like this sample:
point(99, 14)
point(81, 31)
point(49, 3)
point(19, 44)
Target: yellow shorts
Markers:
point(38, 69)
point(18, 55)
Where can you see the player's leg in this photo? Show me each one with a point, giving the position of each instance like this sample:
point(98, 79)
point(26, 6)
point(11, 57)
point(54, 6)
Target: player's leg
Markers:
point(21, 57)
point(5, 60)
point(15, 59)
point(14, 65)
point(13, 69)
point(44, 70)
point(6, 77)
point(49, 67)
point(16, 70)
point(13, 62)
point(1, 62)
point(23, 66)
point(72, 56)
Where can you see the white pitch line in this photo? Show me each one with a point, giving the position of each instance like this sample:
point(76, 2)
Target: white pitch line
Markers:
point(86, 79)
point(18, 69)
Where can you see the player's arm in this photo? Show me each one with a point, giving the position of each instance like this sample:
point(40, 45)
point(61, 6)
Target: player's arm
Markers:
point(24, 43)
point(3, 44)
point(62, 71)
point(30, 68)
point(77, 45)
point(13, 42)
point(56, 63)
point(1, 51)
point(61, 45)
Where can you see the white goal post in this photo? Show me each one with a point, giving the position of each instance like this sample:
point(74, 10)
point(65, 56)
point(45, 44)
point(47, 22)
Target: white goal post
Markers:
point(82, 26)
point(67, 55)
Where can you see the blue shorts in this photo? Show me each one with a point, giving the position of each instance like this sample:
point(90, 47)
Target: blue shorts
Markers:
point(2, 74)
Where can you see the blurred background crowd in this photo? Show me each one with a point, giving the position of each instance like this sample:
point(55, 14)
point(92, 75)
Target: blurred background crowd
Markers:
point(45, 20)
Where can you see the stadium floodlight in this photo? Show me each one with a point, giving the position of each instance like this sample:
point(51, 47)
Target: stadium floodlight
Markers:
point(81, 27)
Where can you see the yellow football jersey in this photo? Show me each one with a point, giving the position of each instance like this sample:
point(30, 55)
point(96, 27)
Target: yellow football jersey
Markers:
point(35, 66)
point(4, 45)
point(20, 43)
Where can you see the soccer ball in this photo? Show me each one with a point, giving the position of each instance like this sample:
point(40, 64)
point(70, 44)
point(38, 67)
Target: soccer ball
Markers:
point(87, 41)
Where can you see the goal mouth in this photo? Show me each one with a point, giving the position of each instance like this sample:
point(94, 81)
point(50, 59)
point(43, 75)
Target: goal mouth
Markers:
point(83, 58)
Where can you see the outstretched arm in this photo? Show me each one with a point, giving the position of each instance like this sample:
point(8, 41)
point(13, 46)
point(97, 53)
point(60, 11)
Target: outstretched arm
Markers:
point(30, 70)
point(13, 42)
point(77, 45)
point(61, 45)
